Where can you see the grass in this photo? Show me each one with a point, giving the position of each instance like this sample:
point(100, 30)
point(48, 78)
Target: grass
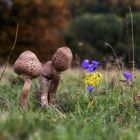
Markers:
point(108, 114)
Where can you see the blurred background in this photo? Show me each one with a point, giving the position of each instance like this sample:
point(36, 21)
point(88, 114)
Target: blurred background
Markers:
point(86, 26)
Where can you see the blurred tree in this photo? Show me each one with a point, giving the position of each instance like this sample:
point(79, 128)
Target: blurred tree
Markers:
point(97, 29)
point(42, 25)
point(93, 31)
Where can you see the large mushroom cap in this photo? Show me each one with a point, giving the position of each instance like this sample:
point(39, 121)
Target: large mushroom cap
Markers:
point(62, 59)
point(48, 70)
point(28, 65)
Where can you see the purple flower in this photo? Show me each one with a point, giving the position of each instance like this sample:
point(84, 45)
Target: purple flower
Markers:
point(85, 64)
point(127, 75)
point(95, 64)
point(90, 89)
point(90, 67)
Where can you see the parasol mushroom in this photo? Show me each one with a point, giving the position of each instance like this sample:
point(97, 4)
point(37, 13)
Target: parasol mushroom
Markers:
point(29, 67)
point(60, 61)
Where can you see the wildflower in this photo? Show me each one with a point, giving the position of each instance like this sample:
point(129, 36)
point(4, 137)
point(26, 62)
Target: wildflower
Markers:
point(85, 64)
point(127, 75)
point(90, 89)
point(90, 67)
point(93, 79)
point(95, 64)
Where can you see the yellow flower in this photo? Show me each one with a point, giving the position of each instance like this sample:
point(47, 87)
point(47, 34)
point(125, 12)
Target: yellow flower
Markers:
point(93, 79)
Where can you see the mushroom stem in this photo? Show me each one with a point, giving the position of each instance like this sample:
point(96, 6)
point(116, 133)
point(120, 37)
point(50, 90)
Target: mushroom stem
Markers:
point(53, 88)
point(44, 91)
point(25, 92)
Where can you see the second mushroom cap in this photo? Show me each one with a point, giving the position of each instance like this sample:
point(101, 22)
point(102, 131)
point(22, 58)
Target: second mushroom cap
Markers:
point(62, 59)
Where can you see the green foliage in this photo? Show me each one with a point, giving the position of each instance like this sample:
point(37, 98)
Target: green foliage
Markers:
point(112, 116)
point(95, 30)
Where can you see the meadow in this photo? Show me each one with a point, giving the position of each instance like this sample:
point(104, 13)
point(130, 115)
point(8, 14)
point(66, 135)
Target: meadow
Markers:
point(106, 114)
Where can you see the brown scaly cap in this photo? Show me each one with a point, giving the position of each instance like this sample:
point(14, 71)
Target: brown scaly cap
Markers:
point(62, 59)
point(48, 70)
point(28, 65)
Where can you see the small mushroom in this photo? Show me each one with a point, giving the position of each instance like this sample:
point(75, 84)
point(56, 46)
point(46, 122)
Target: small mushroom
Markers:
point(29, 67)
point(61, 61)
point(44, 84)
